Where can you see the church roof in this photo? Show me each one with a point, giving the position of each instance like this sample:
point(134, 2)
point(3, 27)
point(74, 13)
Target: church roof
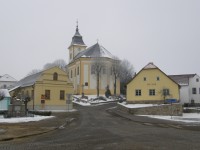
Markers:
point(77, 38)
point(96, 50)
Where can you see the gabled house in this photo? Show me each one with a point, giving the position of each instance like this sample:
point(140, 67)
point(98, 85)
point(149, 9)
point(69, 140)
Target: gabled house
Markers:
point(151, 85)
point(82, 71)
point(46, 90)
point(7, 82)
point(190, 87)
point(4, 99)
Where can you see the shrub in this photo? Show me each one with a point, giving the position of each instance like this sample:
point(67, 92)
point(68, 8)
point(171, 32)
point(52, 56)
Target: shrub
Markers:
point(41, 113)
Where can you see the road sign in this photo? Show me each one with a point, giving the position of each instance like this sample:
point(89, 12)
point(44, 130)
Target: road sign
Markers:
point(69, 98)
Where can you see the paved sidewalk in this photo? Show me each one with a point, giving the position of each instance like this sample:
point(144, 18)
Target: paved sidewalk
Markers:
point(9, 131)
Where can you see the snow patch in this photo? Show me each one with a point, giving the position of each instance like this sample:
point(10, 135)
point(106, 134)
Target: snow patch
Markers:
point(23, 119)
point(187, 117)
point(138, 105)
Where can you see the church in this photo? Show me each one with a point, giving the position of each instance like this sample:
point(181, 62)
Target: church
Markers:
point(81, 67)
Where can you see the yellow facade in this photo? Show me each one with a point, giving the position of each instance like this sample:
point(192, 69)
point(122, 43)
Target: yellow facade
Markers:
point(78, 80)
point(148, 85)
point(45, 81)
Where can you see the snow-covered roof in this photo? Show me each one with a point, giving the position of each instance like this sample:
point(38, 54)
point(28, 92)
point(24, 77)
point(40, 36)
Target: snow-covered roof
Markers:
point(27, 81)
point(182, 79)
point(96, 50)
point(150, 66)
point(7, 78)
point(5, 92)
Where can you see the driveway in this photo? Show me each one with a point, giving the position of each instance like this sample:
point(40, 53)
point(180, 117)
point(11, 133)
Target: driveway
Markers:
point(97, 129)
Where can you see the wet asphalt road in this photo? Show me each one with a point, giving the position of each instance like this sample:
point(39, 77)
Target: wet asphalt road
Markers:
point(95, 129)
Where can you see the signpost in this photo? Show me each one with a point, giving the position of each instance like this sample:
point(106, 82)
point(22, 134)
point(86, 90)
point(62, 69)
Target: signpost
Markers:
point(171, 101)
point(68, 100)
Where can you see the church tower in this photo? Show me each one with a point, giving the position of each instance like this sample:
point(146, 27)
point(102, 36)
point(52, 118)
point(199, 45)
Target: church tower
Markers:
point(77, 44)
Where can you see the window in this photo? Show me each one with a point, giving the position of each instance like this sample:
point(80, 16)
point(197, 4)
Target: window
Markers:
point(145, 78)
point(47, 94)
point(32, 94)
point(104, 70)
point(166, 92)
point(199, 90)
point(111, 71)
point(138, 93)
point(158, 78)
point(197, 80)
point(77, 70)
point(93, 69)
point(71, 56)
point(71, 74)
point(86, 83)
point(55, 76)
point(194, 91)
point(62, 94)
point(151, 92)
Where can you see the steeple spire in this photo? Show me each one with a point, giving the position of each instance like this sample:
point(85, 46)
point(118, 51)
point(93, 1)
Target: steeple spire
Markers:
point(77, 25)
point(77, 38)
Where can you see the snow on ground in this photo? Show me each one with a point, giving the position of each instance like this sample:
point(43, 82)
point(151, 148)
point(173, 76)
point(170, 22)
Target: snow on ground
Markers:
point(187, 117)
point(23, 119)
point(138, 105)
point(91, 99)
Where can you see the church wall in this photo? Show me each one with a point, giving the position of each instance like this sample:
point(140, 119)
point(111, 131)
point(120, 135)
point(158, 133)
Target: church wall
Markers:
point(86, 80)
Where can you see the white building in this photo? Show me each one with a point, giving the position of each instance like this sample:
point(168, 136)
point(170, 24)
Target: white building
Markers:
point(7, 82)
point(190, 87)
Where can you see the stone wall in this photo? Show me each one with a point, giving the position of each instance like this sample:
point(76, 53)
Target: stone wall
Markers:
point(164, 110)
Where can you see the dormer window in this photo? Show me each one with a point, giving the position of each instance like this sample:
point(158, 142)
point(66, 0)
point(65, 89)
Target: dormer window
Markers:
point(55, 76)
point(197, 80)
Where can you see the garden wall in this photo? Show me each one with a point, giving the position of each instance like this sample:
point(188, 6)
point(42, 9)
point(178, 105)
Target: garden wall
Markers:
point(164, 110)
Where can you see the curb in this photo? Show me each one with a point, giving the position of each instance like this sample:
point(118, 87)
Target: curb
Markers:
point(147, 123)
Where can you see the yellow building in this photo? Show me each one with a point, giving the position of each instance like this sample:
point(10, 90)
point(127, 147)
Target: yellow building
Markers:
point(151, 85)
point(81, 67)
point(47, 90)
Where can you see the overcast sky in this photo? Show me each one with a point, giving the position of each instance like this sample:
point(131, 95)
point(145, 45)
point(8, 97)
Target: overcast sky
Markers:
point(36, 32)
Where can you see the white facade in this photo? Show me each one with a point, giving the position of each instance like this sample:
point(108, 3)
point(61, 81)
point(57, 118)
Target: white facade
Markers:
point(194, 89)
point(7, 82)
point(190, 91)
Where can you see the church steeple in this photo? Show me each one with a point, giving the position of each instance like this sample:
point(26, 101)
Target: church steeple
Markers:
point(76, 45)
point(77, 38)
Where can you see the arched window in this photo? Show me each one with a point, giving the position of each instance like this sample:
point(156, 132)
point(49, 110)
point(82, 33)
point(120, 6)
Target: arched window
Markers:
point(55, 76)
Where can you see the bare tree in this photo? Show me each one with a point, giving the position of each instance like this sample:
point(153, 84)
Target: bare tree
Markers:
point(126, 73)
point(34, 71)
point(2, 94)
point(97, 66)
point(115, 68)
point(59, 63)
